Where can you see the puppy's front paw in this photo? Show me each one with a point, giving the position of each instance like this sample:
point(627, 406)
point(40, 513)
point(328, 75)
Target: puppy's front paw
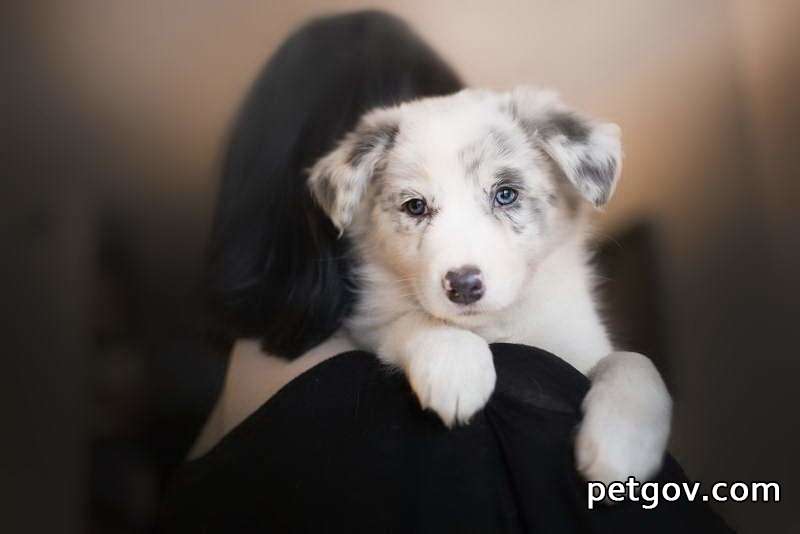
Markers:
point(620, 435)
point(452, 373)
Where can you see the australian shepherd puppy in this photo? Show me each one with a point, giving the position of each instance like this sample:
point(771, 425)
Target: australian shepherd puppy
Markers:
point(432, 222)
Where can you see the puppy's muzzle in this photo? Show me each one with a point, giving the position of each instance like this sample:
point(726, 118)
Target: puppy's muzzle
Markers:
point(464, 285)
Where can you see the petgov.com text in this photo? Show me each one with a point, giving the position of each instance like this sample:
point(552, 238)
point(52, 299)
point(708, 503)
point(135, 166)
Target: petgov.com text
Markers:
point(650, 494)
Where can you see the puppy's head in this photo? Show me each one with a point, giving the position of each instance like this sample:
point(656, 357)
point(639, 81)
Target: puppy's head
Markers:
point(460, 197)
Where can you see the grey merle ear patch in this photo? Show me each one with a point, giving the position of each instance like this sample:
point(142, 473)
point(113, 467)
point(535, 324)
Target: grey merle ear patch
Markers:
point(564, 123)
point(339, 179)
point(370, 138)
point(589, 153)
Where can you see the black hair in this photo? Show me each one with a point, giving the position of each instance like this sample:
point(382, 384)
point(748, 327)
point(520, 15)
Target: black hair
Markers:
point(277, 270)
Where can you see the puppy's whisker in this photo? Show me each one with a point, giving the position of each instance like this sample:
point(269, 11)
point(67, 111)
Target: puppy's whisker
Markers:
point(604, 238)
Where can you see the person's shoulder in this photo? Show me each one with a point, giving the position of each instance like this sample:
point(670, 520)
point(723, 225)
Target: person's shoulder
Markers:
point(536, 377)
point(255, 376)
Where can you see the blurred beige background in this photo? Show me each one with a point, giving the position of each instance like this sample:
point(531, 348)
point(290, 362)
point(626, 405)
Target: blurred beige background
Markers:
point(706, 93)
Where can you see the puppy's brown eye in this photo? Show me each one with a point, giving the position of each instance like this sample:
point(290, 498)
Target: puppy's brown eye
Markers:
point(416, 207)
point(505, 196)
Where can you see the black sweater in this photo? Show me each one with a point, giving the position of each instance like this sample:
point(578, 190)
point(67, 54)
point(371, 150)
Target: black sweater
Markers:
point(345, 447)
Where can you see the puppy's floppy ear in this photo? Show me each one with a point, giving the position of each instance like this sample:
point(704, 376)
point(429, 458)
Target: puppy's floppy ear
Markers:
point(339, 179)
point(589, 153)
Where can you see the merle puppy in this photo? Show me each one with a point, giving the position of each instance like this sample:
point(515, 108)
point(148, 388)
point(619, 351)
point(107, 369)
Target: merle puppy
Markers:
point(424, 222)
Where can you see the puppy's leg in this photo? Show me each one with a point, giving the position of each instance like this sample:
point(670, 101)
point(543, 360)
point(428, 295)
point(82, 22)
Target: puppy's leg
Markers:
point(626, 420)
point(450, 369)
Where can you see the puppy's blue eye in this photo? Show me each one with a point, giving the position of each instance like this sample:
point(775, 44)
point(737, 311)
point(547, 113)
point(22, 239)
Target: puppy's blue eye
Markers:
point(505, 196)
point(416, 207)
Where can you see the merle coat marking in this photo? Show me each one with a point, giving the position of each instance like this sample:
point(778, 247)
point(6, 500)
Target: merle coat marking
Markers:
point(427, 227)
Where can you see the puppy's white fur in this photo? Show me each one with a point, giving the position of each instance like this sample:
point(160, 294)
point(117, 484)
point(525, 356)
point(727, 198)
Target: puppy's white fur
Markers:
point(454, 153)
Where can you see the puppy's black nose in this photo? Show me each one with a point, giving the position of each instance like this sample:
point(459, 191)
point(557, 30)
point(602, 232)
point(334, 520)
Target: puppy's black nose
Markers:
point(464, 285)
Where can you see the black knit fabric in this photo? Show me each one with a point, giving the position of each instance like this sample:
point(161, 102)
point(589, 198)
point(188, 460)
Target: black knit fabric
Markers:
point(345, 447)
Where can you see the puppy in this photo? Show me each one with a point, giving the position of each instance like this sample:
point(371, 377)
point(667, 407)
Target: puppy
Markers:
point(468, 216)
